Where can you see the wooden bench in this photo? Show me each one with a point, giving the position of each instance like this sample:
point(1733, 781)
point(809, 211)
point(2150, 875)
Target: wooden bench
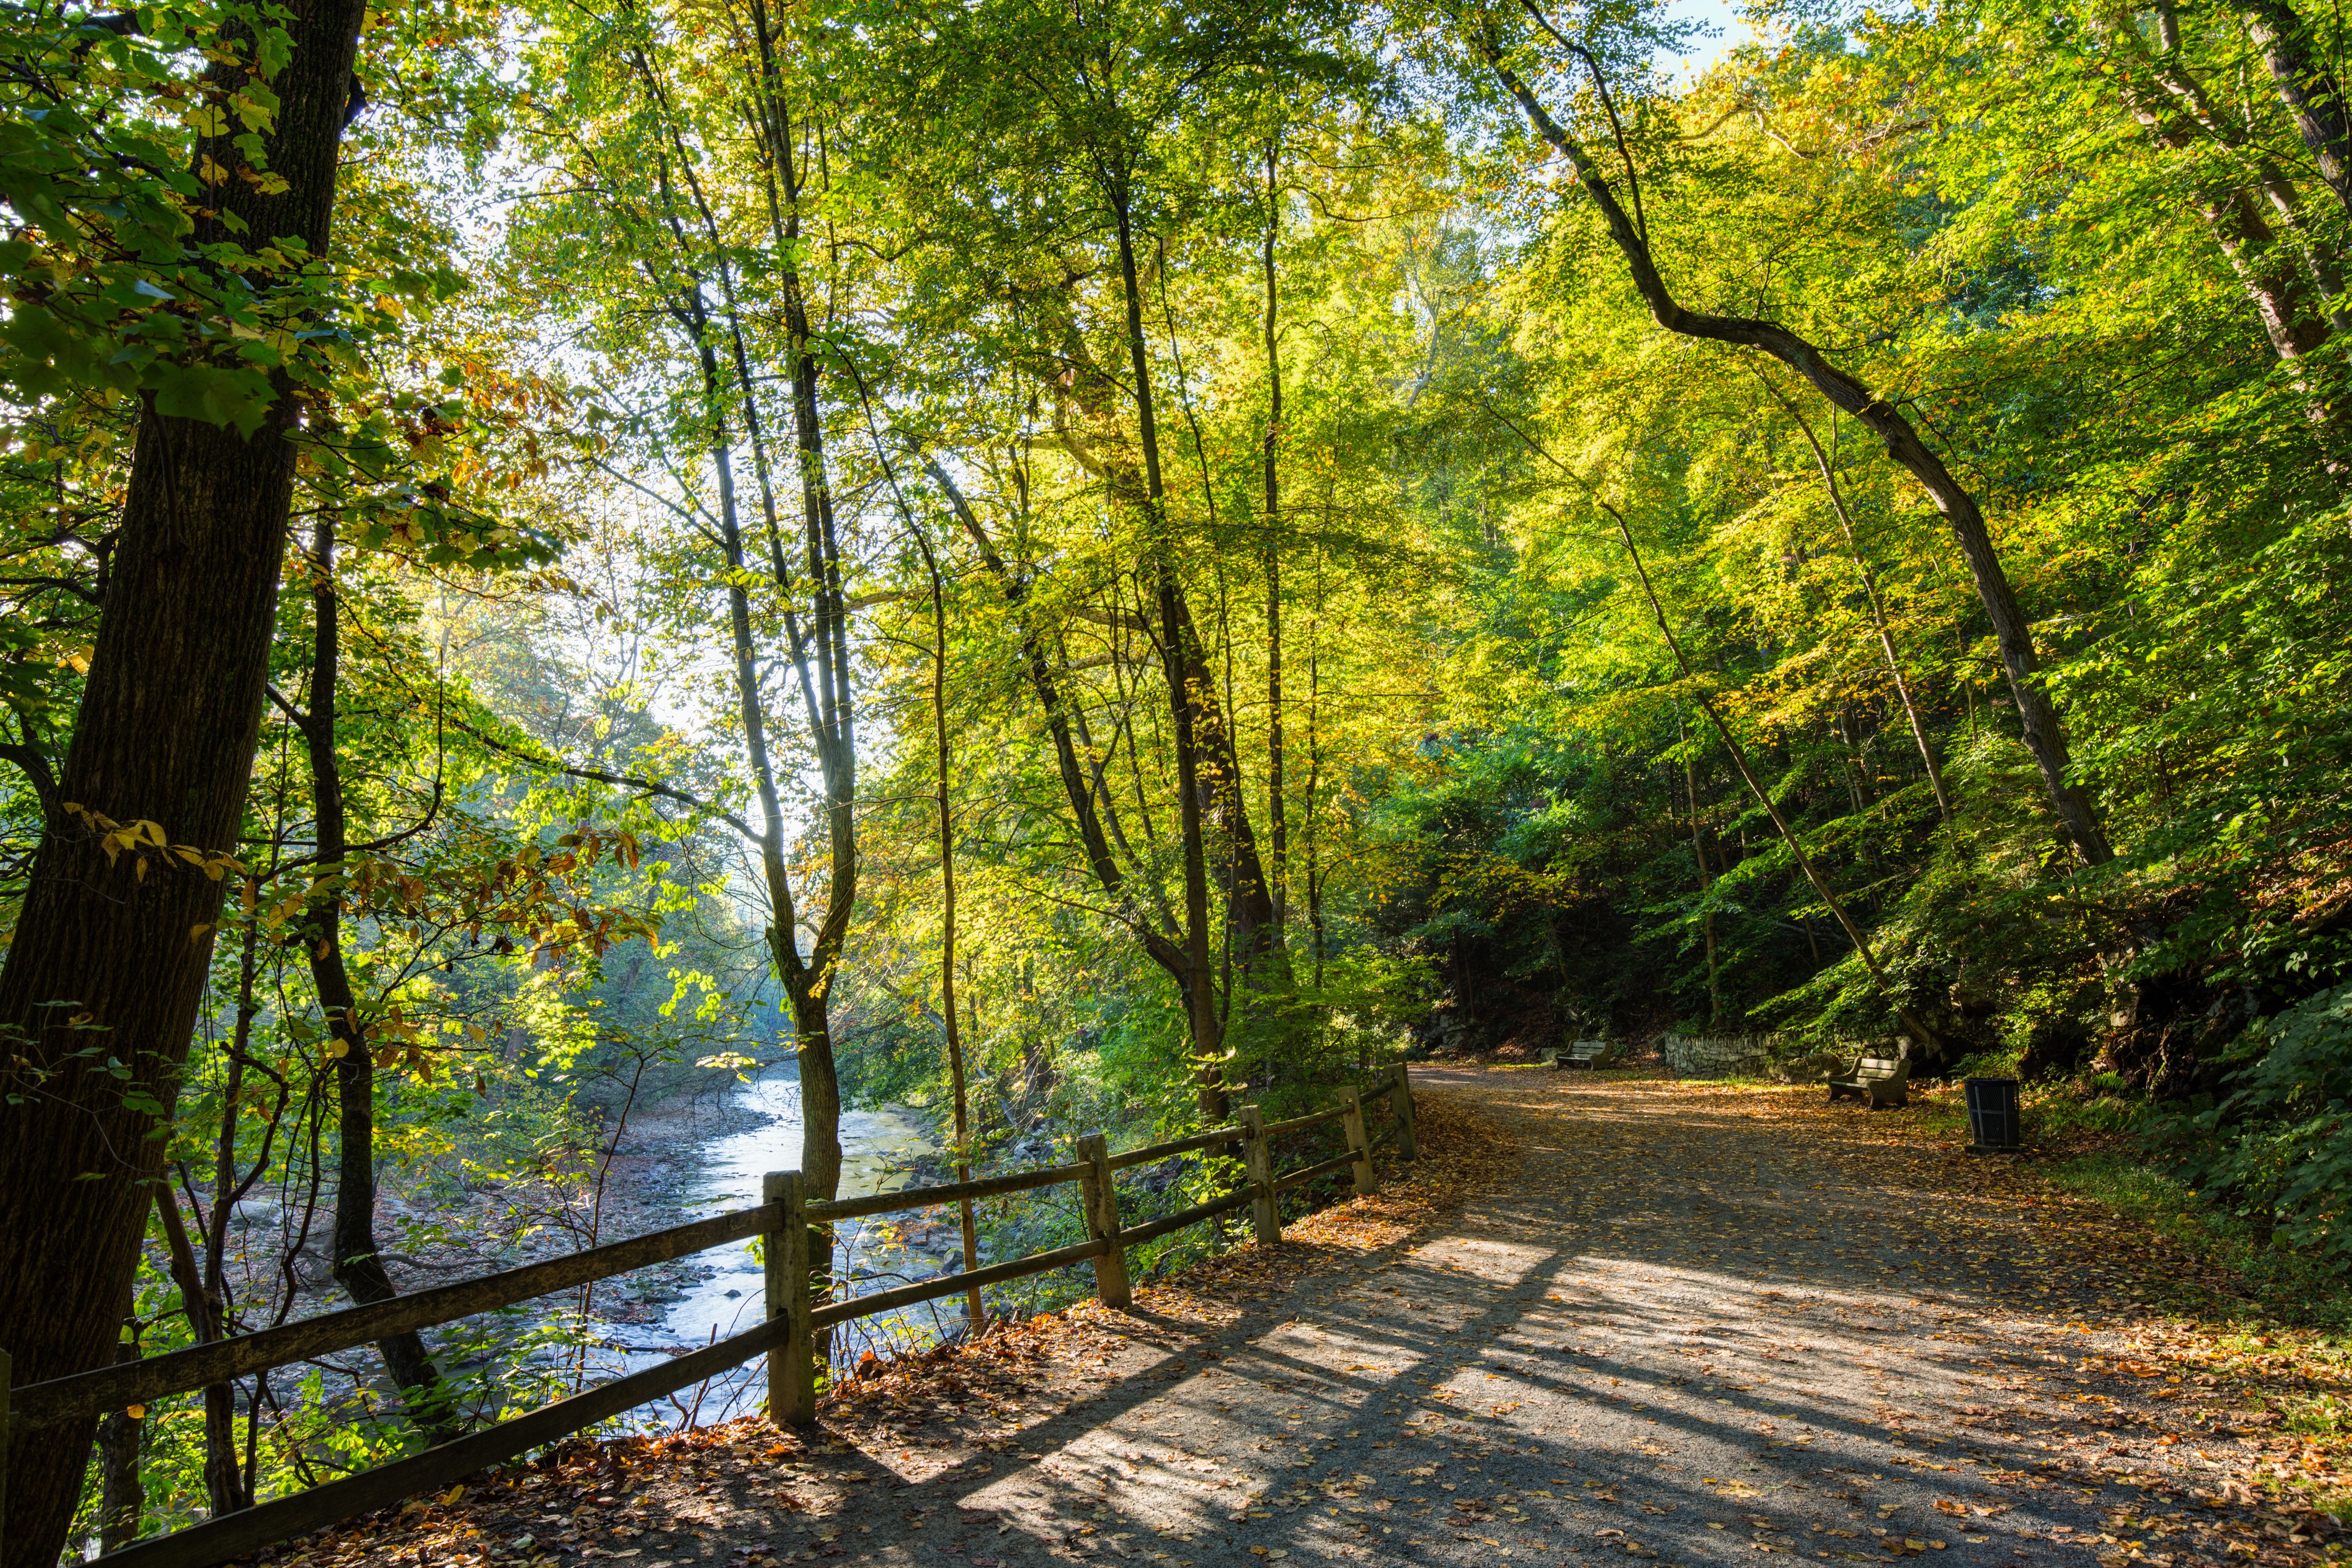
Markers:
point(1883, 1080)
point(1585, 1054)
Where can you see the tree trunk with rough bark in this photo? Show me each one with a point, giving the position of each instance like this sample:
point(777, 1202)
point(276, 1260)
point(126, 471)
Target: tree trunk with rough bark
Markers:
point(2288, 300)
point(2313, 94)
point(108, 962)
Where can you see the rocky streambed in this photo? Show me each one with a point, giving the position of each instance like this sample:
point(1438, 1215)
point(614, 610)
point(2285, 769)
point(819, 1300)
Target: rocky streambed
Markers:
point(673, 1174)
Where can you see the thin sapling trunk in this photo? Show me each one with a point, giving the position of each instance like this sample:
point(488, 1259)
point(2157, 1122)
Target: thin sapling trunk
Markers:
point(357, 1265)
point(975, 1314)
point(1873, 598)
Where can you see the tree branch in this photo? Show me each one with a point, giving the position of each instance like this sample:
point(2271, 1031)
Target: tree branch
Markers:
point(624, 781)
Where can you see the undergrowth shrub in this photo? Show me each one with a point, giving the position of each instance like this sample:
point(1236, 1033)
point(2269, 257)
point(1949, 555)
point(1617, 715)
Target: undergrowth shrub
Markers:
point(2277, 1149)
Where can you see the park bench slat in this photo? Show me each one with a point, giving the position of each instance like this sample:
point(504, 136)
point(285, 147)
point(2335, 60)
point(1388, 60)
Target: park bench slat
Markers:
point(1584, 1053)
point(1881, 1080)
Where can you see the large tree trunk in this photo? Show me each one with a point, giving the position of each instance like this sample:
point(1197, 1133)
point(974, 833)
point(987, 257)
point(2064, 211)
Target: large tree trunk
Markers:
point(1191, 696)
point(357, 1265)
point(810, 983)
point(2312, 93)
point(108, 962)
point(2288, 298)
point(820, 658)
point(2012, 633)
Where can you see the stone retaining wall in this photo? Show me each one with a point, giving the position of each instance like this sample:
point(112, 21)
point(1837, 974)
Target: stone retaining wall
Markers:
point(1753, 1056)
point(1715, 1056)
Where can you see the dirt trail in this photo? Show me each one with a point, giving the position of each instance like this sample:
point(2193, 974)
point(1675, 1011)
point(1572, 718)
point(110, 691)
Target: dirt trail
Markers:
point(1693, 1324)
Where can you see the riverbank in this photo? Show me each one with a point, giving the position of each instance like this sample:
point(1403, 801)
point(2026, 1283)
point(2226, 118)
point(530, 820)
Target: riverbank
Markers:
point(652, 1182)
point(675, 1160)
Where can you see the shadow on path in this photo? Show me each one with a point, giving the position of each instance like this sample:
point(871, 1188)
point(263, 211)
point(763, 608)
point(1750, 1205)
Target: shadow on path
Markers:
point(1694, 1325)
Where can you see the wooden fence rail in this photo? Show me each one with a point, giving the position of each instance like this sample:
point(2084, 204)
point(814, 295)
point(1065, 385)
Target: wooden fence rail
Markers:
point(144, 1382)
point(788, 1338)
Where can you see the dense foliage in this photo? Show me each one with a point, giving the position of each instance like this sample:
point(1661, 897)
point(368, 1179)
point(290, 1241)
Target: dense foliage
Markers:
point(1072, 565)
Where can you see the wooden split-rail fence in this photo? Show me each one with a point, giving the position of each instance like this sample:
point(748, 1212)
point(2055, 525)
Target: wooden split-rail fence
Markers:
point(788, 1337)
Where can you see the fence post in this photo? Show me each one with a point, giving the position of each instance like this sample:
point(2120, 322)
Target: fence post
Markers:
point(791, 1375)
point(1400, 1103)
point(1359, 1144)
point(1101, 1201)
point(1258, 1158)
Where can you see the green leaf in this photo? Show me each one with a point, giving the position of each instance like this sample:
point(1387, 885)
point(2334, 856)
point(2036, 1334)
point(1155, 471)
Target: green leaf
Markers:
point(215, 394)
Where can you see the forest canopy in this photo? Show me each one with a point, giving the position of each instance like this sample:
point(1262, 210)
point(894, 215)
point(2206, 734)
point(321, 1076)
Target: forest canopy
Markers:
point(1093, 561)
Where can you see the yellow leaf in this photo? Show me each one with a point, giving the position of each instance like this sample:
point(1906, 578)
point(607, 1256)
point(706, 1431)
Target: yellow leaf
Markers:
point(196, 932)
point(136, 1412)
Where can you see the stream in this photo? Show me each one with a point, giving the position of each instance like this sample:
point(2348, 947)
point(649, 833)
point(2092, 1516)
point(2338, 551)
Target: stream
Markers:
point(724, 1172)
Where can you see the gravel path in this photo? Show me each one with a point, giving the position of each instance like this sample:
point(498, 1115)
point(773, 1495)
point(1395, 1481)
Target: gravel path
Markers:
point(1679, 1333)
point(1687, 1324)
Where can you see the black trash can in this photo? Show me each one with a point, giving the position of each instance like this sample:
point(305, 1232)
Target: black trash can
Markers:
point(1993, 1126)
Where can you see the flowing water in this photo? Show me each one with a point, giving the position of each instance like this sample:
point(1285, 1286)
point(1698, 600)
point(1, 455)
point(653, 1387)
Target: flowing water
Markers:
point(725, 1173)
